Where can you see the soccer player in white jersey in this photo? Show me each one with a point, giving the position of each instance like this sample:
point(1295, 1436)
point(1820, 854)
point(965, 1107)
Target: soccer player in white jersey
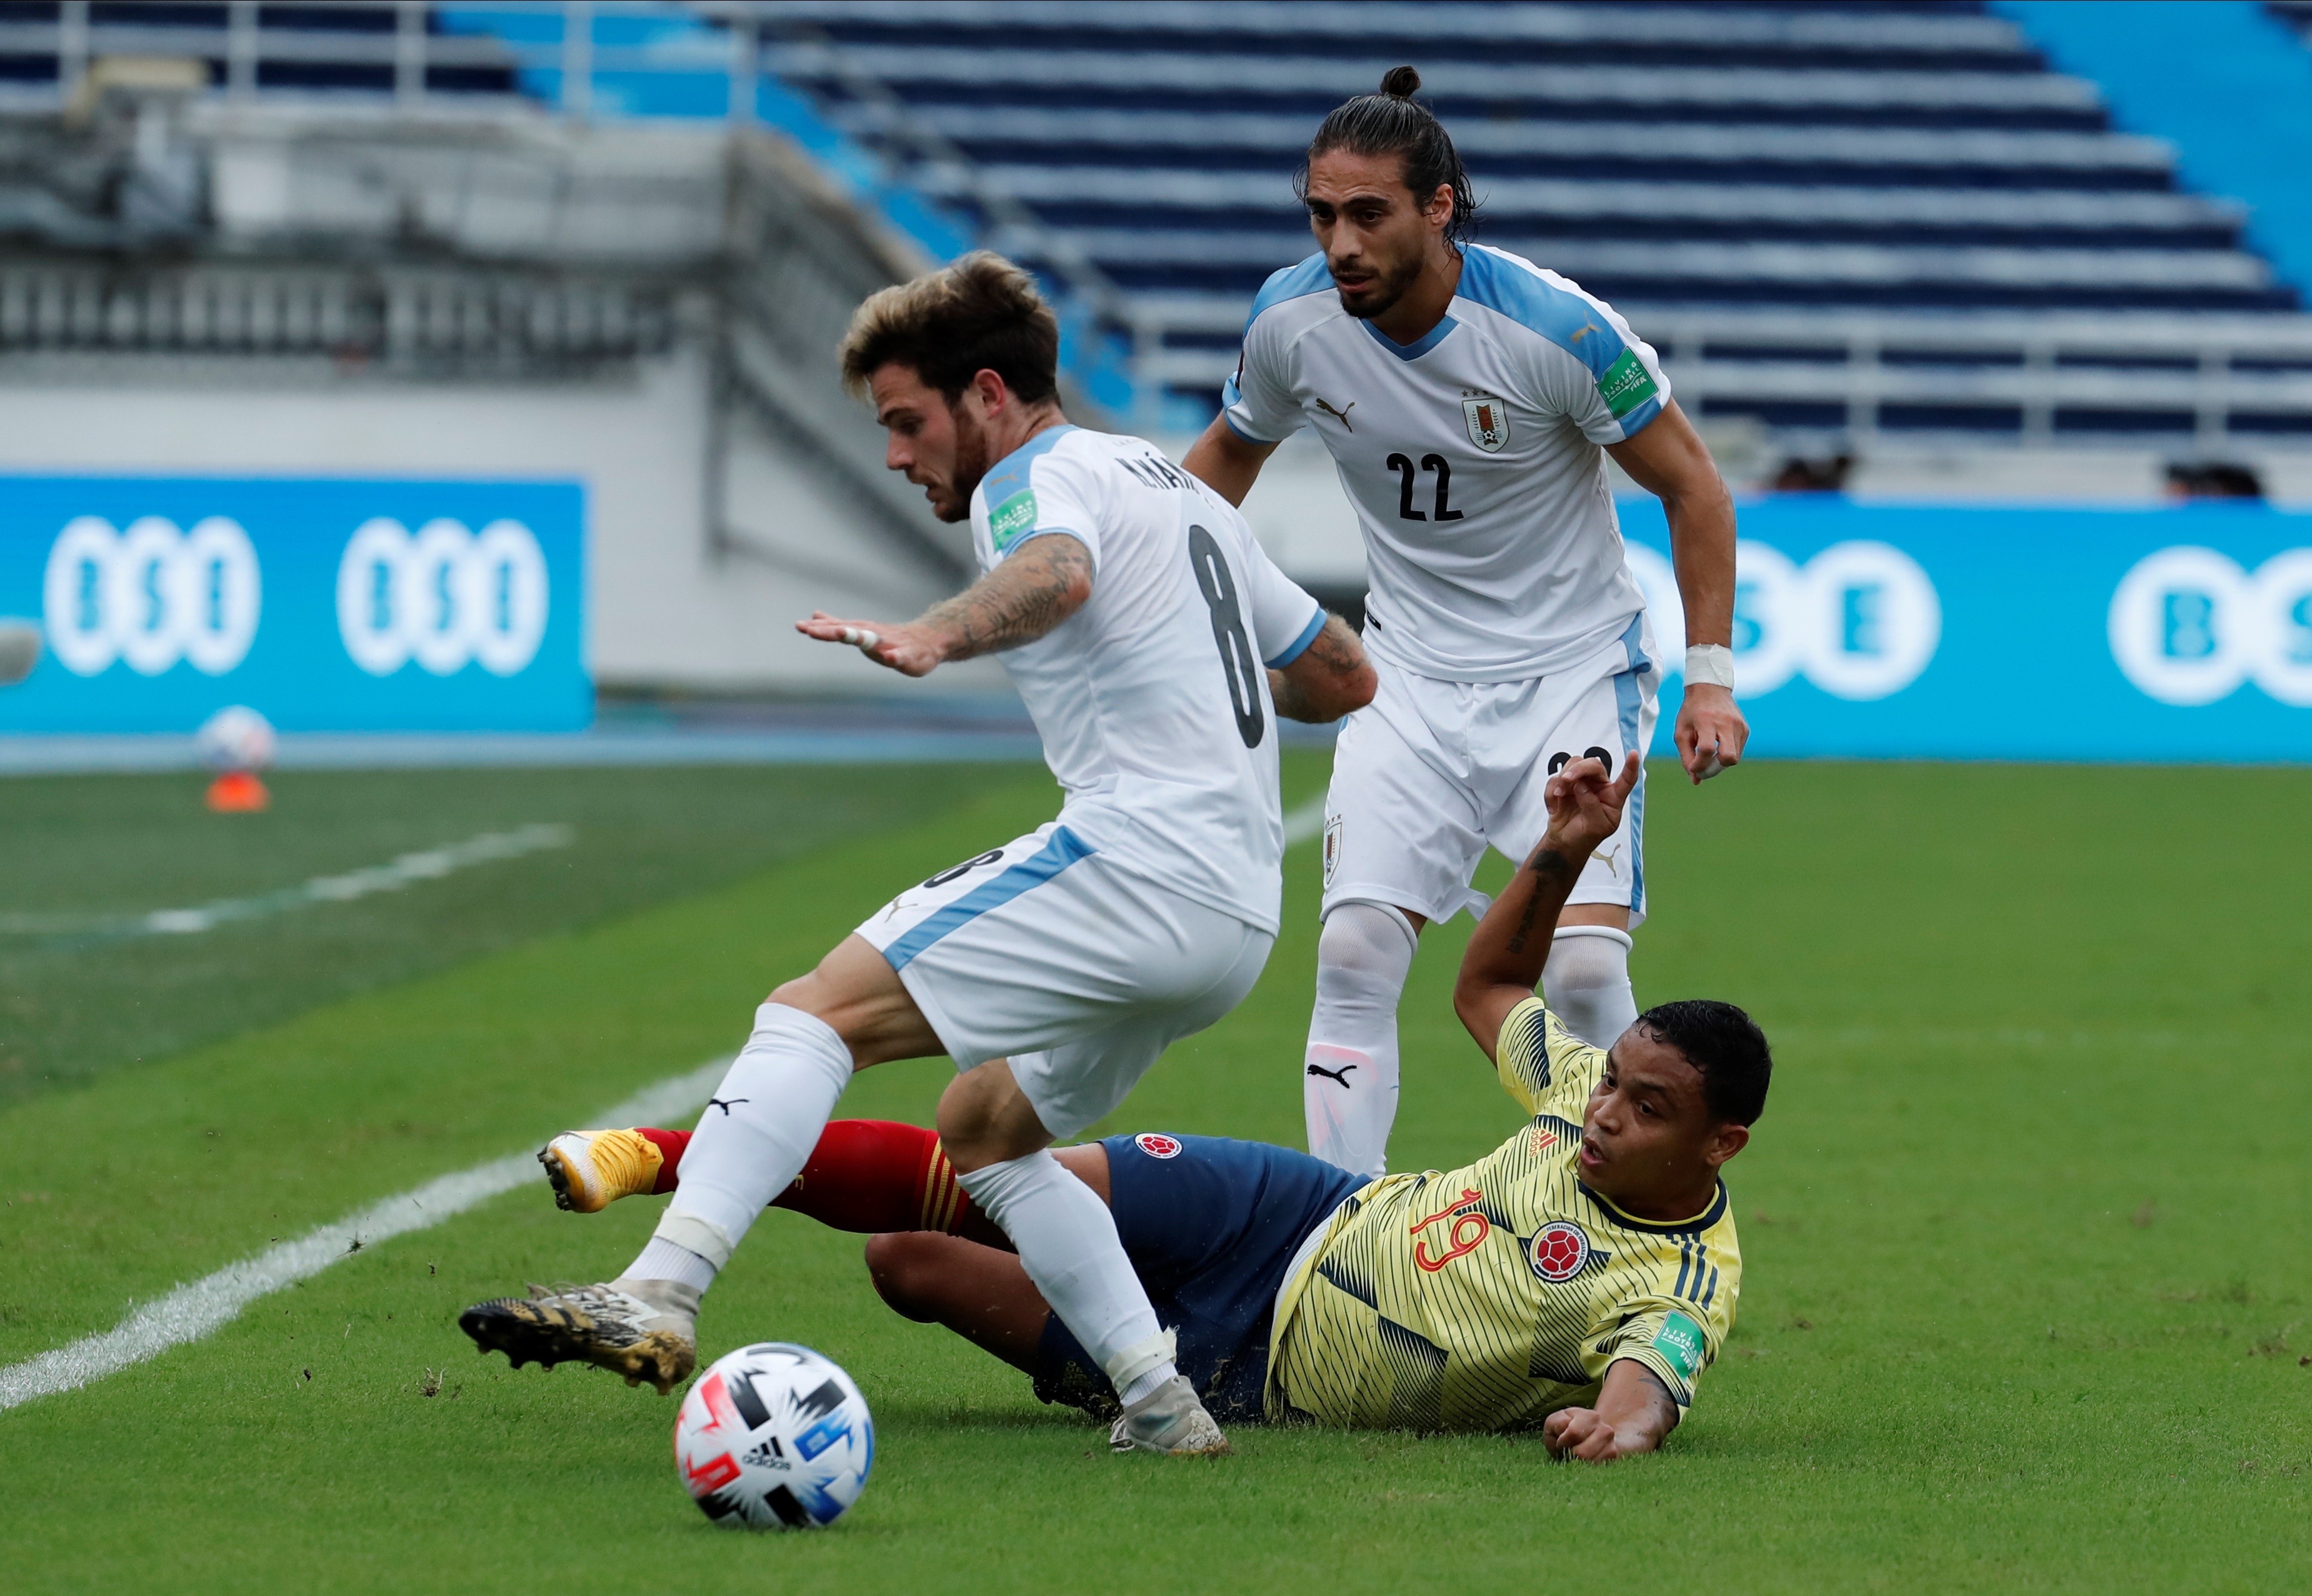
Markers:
point(1470, 398)
point(1136, 614)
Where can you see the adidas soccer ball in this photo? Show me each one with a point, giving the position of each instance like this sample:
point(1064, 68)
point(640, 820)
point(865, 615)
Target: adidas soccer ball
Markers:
point(774, 1437)
point(236, 738)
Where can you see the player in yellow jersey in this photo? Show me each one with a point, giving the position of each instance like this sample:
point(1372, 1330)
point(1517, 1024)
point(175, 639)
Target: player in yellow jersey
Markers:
point(1577, 1279)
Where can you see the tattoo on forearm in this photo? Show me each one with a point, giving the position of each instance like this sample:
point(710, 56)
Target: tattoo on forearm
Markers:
point(1549, 867)
point(1291, 702)
point(1664, 1404)
point(1018, 601)
point(1335, 650)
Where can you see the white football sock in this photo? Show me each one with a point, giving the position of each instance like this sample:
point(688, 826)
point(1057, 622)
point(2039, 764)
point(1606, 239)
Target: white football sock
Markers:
point(1586, 984)
point(1068, 1245)
point(755, 1134)
point(1349, 1075)
point(663, 1261)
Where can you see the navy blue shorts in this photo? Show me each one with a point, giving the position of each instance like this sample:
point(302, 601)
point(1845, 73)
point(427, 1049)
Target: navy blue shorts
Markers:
point(1210, 1224)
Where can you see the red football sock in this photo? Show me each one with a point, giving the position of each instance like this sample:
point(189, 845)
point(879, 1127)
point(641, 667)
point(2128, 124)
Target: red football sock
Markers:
point(865, 1175)
point(671, 1145)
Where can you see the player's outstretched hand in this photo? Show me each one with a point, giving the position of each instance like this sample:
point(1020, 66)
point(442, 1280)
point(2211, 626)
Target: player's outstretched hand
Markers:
point(906, 648)
point(1583, 1434)
point(1711, 732)
point(1585, 804)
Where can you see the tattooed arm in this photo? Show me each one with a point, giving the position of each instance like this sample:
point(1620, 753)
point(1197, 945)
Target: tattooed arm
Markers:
point(1048, 580)
point(1331, 678)
point(1503, 965)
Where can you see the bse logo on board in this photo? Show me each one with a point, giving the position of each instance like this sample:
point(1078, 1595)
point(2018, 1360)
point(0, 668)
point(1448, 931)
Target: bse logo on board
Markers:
point(152, 596)
point(2189, 625)
point(1861, 620)
point(443, 598)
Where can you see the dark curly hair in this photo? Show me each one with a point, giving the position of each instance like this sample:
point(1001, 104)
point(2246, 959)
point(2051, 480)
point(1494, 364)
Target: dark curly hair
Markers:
point(1728, 1048)
point(1393, 123)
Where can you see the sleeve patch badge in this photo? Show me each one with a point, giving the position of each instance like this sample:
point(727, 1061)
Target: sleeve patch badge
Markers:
point(1680, 1342)
point(1013, 517)
point(1626, 384)
point(1157, 1144)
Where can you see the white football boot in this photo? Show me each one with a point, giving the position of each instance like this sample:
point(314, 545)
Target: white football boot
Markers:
point(645, 1329)
point(1168, 1419)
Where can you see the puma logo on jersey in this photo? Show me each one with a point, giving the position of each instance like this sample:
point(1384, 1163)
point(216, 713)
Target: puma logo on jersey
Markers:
point(1340, 416)
point(1339, 1076)
point(1583, 331)
point(716, 1102)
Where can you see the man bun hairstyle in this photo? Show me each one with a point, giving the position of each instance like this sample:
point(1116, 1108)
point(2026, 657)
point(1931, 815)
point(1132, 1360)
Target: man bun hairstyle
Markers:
point(1726, 1046)
point(1393, 123)
point(979, 312)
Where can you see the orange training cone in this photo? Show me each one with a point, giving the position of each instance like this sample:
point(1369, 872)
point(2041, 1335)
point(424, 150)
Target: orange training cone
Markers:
point(239, 792)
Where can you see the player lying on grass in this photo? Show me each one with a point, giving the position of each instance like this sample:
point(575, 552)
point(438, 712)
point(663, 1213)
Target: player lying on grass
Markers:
point(1580, 1276)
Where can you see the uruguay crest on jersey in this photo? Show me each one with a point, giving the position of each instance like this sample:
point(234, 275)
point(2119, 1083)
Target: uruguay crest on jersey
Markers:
point(1488, 421)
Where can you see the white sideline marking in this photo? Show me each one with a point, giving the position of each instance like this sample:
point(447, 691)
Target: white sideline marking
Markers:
point(1302, 824)
point(191, 1311)
point(428, 864)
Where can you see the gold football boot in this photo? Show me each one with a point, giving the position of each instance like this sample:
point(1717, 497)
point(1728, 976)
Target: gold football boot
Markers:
point(593, 1169)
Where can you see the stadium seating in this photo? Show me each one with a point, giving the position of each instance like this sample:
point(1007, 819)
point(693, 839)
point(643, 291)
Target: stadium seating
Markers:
point(1796, 185)
point(1848, 219)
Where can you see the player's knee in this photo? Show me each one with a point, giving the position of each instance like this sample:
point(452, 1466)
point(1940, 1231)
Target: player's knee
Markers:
point(1588, 958)
point(903, 1264)
point(1368, 938)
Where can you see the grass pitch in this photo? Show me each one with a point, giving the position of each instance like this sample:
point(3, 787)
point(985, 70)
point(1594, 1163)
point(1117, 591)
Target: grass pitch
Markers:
point(2025, 1304)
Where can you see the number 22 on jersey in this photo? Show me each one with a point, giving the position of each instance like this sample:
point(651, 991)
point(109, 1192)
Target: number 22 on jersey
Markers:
point(1439, 510)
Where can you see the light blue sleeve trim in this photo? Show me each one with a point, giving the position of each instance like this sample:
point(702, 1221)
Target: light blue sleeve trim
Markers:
point(1294, 282)
point(1300, 645)
point(1239, 432)
point(1010, 474)
point(1034, 532)
point(1565, 319)
point(1639, 419)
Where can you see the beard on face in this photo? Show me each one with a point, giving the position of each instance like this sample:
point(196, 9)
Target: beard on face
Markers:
point(1380, 296)
point(971, 463)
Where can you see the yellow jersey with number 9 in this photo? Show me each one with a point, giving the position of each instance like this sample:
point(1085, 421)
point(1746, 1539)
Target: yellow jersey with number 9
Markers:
point(1487, 1297)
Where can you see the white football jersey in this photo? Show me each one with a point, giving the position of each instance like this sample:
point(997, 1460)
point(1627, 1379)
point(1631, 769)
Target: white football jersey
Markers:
point(1473, 457)
point(1151, 699)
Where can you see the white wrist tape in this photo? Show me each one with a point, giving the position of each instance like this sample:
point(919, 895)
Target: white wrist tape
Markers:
point(1712, 662)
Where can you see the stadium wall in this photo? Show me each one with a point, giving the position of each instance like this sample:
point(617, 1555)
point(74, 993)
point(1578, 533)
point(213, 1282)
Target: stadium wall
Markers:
point(674, 598)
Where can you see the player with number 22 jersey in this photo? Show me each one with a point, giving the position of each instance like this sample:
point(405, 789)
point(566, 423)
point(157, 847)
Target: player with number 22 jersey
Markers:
point(1469, 398)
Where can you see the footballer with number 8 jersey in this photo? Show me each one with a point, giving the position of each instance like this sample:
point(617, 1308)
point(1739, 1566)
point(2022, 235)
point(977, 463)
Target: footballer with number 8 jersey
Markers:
point(1468, 399)
point(1143, 628)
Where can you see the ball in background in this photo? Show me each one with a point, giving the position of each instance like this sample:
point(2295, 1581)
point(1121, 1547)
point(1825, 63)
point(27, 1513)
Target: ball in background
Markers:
point(236, 738)
point(774, 1436)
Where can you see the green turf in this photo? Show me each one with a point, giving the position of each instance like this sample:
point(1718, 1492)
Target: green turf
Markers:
point(2026, 1306)
point(73, 1006)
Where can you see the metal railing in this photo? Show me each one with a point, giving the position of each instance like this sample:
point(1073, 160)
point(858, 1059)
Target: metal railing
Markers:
point(2225, 379)
point(2229, 381)
point(472, 320)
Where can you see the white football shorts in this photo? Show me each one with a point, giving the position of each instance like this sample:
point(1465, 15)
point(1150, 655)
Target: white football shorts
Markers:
point(1079, 971)
point(1431, 773)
